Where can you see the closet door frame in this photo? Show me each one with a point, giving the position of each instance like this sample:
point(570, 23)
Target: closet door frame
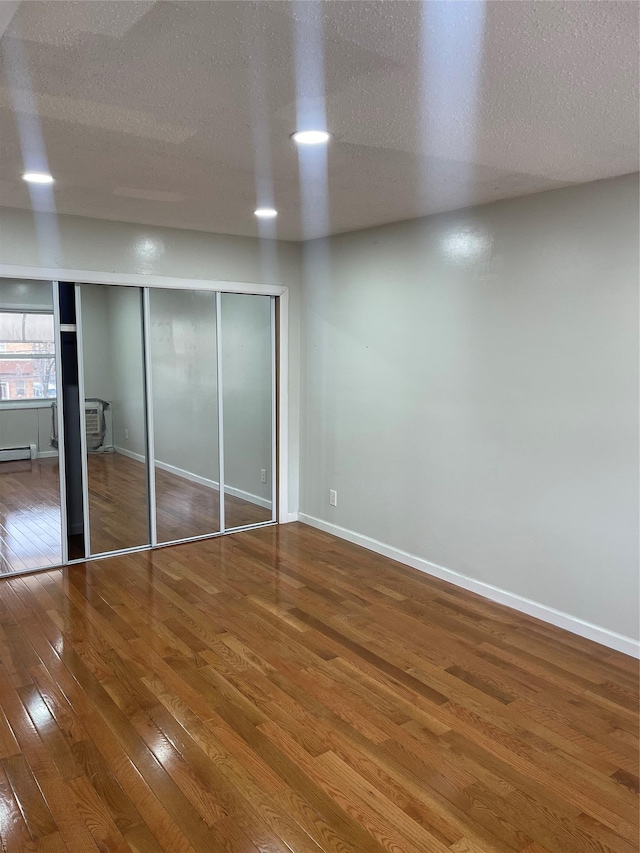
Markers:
point(220, 406)
point(83, 423)
point(279, 389)
point(62, 475)
point(148, 420)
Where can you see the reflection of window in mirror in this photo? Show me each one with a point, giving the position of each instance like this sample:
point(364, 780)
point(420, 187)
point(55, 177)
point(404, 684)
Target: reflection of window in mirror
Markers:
point(27, 357)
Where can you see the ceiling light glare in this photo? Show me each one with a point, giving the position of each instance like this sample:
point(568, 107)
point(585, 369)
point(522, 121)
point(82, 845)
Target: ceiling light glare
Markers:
point(311, 137)
point(265, 213)
point(37, 178)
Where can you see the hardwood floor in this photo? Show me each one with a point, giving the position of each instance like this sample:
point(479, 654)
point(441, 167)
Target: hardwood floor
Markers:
point(118, 511)
point(30, 509)
point(29, 515)
point(281, 690)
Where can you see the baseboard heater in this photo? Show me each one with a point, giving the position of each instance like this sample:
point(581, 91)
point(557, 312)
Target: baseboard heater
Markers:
point(15, 454)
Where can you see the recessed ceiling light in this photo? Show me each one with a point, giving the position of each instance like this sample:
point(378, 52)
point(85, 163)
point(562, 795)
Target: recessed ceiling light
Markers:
point(311, 137)
point(37, 178)
point(265, 213)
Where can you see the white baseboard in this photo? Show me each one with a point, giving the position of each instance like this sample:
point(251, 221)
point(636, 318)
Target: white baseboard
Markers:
point(293, 516)
point(604, 636)
point(46, 454)
point(188, 475)
point(202, 481)
point(123, 450)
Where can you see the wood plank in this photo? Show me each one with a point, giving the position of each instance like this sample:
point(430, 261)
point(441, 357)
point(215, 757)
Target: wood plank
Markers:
point(283, 690)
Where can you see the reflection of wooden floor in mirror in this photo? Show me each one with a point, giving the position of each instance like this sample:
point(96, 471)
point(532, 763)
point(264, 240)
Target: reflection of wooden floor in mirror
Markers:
point(118, 511)
point(30, 515)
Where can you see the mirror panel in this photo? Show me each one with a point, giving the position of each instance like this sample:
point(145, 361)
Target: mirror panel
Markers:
point(114, 414)
point(185, 412)
point(106, 377)
point(30, 526)
point(247, 382)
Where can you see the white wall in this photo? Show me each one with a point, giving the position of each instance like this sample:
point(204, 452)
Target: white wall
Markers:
point(26, 425)
point(183, 361)
point(22, 293)
point(112, 359)
point(472, 394)
point(74, 242)
point(96, 337)
point(127, 365)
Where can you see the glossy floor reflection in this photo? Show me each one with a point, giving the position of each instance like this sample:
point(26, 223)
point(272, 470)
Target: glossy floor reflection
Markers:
point(281, 690)
point(29, 515)
point(30, 509)
point(118, 505)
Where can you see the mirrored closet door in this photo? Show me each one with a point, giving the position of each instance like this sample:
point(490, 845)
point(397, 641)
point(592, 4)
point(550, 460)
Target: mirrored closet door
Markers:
point(30, 505)
point(184, 398)
point(131, 417)
point(111, 356)
point(247, 358)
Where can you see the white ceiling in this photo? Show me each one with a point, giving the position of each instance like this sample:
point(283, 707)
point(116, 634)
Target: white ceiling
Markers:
point(174, 113)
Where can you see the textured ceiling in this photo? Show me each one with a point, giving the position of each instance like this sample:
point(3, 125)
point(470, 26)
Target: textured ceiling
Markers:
point(179, 113)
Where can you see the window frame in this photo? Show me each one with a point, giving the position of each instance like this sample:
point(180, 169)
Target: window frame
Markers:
point(21, 402)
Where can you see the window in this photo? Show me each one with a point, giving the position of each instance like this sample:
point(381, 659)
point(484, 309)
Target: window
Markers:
point(27, 356)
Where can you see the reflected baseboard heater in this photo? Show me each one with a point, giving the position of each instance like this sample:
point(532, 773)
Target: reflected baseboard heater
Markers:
point(16, 454)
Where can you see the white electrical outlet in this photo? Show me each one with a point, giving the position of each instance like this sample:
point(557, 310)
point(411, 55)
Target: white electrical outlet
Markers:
point(263, 475)
point(333, 497)
point(126, 434)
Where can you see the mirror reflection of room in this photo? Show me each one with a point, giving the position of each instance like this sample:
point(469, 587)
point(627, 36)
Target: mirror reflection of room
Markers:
point(117, 406)
point(248, 408)
point(30, 526)
point(185, 412)
point(184, 365)
point(114, 414)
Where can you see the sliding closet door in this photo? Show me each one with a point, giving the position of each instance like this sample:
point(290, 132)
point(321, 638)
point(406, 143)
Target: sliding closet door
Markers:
point(247, 354)
point(30, 506)
point(182, 343)
point(113, 418)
